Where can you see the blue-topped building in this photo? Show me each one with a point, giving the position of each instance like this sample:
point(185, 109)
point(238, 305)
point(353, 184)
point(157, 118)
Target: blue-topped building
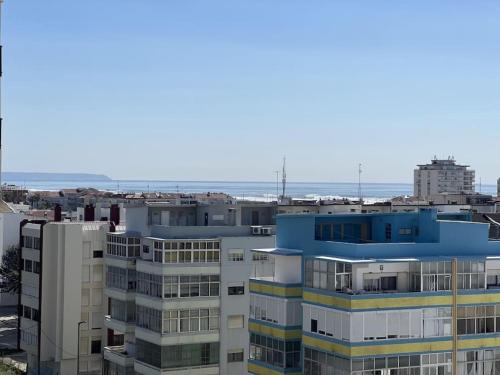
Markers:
point(379, 294)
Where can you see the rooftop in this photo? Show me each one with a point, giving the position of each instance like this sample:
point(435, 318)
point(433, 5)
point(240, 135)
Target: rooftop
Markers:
point(373, 236)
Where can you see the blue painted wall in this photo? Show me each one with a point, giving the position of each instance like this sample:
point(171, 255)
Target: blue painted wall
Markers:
point(429, 236)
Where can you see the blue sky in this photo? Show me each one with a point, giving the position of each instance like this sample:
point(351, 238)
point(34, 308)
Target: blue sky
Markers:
point(221, 90)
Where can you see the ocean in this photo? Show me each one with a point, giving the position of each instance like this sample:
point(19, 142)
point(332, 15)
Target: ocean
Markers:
point(265, 191)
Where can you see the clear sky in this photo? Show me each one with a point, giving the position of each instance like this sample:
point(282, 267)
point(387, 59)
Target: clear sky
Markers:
point(221, 90)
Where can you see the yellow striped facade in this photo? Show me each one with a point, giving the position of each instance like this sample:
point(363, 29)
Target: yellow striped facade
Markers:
point(267, 330)
point(400, 347)
point(262, 370)
point(419, 300)
point(275, 289)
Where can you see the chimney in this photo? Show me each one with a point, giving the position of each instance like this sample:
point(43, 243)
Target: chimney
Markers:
point(115, 214)
point(58, 213)
point(88, 214)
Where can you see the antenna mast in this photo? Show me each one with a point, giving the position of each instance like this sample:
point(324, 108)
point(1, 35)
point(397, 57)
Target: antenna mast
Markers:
point(359, 183)
point(283, 179)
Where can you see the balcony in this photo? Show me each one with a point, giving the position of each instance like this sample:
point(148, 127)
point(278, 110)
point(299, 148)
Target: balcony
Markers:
point(145, 369)
point(119, 356)
point(118, 325)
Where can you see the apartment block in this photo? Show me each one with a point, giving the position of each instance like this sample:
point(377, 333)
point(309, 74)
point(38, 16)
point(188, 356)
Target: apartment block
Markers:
point(443, 176)
point(177, 287)
point(62, 281)
point(397, 293)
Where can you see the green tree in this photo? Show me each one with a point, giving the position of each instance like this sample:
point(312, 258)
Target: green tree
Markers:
point(9, 271)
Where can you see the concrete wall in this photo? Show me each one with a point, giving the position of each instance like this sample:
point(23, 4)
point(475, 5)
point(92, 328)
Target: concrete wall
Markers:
point(68, 268)
point(236, 272)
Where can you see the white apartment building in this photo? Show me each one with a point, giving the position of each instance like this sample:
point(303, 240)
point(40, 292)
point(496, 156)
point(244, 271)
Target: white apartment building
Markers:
point(62, 282)
point(443, 176)
point(177, 288)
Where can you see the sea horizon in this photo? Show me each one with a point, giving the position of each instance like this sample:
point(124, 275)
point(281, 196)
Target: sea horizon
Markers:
point(249, 190)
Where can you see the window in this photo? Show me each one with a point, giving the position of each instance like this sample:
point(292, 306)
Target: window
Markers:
point(121, 310)
point(35, 315)
point(235, 356)
point(28, 242)
point(28, 265)
point(275, 310)
point(320, 363)
point(175, 321)
point(178, 286)
point(85, 297)
point(236, 321)
point(30, 313)
point(27, 312)
point(145, 249)
point(177, 356)
point(479, 319)
point(97, 320)
point(95, 347)
point(260, 257)
point(478, 359)
point(187, 252)
point(97, 253)
point(236, 255)
point(118, 245)
point(121, 278)
point(373, 282)
point(328, 275)
point(437, 322)
point(274, 351)
point(493, 279)
point(36, 267)
point(314, 325)
point(236, 290)
point(388, 232)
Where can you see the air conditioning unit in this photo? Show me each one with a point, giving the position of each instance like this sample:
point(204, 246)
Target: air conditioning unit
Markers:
point(256, 230)
point(266, 231)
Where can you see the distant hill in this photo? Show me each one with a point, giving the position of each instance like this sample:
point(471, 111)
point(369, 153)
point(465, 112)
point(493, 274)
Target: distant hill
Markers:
point(38, 176)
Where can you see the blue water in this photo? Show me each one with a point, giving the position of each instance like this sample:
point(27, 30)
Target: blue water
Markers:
point(250, 190)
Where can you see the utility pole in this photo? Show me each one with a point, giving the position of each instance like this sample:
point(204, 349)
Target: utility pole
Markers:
point(277, 186)
point(283, 177)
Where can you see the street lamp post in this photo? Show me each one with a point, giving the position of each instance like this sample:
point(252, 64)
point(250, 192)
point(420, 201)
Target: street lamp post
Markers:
point(78, 349)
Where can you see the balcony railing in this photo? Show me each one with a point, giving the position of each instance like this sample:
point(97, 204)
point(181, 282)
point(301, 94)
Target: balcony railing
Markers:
point(119, 355)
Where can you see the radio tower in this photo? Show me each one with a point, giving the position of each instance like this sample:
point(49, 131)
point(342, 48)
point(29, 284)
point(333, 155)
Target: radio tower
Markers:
point(283, 179)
